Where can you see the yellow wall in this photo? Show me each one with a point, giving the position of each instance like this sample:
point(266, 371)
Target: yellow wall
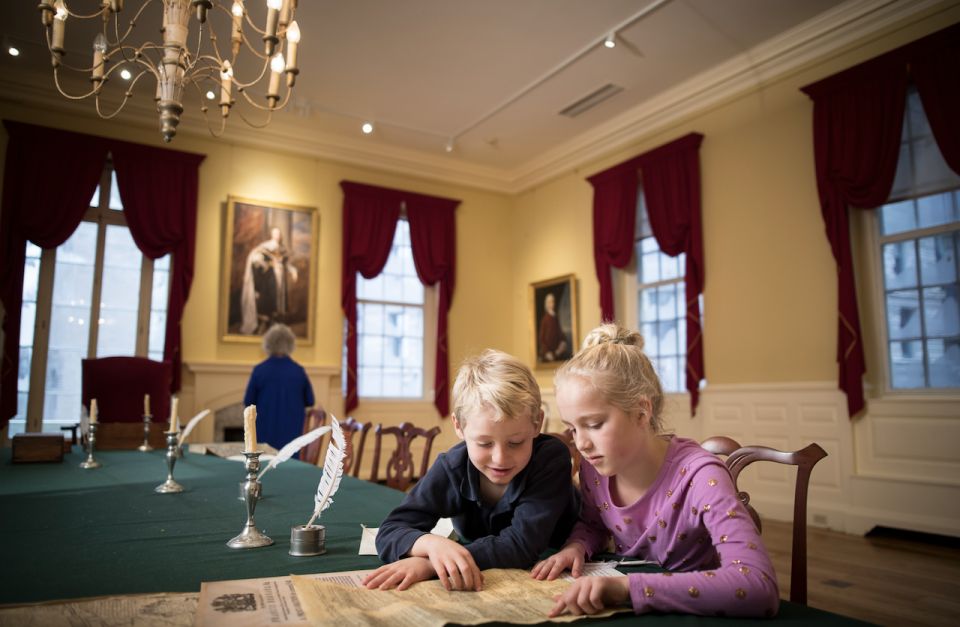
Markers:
point(770, 294)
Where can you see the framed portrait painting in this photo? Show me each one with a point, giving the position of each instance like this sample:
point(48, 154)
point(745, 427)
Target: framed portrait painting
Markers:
point(554, 318)
point(269, 269)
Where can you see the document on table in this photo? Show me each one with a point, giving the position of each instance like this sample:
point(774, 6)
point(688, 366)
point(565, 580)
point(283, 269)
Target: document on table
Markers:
point(508, 595)
point(144, 610)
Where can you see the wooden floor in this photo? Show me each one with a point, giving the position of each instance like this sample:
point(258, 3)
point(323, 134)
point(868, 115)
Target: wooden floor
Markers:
point(881, 580)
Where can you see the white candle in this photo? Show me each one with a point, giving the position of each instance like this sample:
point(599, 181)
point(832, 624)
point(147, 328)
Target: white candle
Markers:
point(250, 429)
point(93, 410)
point(146, 404)
point(174, 417)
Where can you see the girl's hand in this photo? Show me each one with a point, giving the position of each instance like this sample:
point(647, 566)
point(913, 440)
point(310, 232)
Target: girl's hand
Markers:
point(452, 562)
point(589, 595)
point(400, 575)
point(570, 556)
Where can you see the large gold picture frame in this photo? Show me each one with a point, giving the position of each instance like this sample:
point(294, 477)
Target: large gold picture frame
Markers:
point(269, 269)
point(553, 314)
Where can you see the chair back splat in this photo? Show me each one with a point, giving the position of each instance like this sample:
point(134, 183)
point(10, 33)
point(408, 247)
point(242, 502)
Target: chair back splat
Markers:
point(314, 419)
point(739, 457)
point(351, 463)
point(399, 469)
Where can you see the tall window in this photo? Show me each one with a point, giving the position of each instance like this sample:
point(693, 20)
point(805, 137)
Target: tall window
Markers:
point(392, 315)
point(660, 300)
point(919, 238)
point(95, 295)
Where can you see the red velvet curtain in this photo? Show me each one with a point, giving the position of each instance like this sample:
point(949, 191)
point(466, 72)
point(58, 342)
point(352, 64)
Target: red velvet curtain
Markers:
point(671, 187)
point(857, 123)
point(370, 217)
point(44, 201)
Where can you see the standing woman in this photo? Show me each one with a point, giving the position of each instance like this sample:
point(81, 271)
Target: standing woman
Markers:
point(280, 389)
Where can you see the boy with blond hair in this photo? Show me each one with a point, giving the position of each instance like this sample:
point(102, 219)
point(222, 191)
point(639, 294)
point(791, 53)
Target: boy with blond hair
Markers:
point(506, 486)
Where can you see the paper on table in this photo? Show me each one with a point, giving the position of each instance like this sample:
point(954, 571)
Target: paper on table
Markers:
point(368, 536)
point(148, 610)
point(508, 595)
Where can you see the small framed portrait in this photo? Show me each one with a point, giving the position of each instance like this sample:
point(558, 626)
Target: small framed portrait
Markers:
point(554, 318)
point(269, 269)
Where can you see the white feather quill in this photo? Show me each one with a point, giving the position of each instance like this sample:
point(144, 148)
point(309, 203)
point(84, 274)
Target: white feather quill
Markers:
point(293, 446)
point(332, 471)
point(190, 425)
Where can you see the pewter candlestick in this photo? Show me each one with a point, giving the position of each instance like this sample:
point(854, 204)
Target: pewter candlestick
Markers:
point(251, 537)
point(146, 434)
point(90, 462)
point(170, 486)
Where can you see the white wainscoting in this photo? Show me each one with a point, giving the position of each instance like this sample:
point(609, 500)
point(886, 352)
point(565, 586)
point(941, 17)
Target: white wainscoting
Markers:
point(898, 465)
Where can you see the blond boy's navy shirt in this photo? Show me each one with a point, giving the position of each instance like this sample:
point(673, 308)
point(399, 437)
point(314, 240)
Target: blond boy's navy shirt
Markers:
point(537, 511)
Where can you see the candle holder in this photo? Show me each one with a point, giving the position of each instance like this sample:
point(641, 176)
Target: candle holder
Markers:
point(251, 537)
point(170, 486)
point(90, 462)
point(146, 434)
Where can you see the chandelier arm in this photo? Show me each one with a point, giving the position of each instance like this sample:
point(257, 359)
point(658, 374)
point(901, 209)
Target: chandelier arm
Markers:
point(56, 81)
point(126, 96)
point(263, 72)
point(277, 107)
point(246, 15)
point(251, 49)
point(131, 24)
point(81, 17)
point(249, 123)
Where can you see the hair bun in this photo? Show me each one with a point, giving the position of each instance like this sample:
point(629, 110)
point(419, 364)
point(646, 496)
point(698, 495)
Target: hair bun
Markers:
point(612, 333)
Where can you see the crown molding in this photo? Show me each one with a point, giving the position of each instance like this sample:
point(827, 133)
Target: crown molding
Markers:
point(815, 39)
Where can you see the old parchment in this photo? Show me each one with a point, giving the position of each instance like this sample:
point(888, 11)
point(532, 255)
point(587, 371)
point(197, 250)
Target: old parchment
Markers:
point(146, 610)
point(509, 595)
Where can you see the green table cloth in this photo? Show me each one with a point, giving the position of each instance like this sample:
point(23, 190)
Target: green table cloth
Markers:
point(71, 533)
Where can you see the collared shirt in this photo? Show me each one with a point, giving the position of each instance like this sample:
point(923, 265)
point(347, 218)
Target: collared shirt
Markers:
point(537, 511)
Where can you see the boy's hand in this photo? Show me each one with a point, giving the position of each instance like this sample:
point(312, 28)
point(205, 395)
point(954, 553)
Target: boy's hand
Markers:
point(451, 561)
point(589, 595)
point(571, 556)
point(400, 575)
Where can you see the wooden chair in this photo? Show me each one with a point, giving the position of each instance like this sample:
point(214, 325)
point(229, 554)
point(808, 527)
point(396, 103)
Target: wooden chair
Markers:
point(399, 470)
point(575, 458)
point(119, 385)
point(314, 419)
point(351, 464)
point(739, 457)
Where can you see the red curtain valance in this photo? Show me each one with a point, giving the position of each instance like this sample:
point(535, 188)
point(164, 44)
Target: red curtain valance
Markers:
point(370, 217)
point(44, 202)
point(857, 123)
point(671, 187)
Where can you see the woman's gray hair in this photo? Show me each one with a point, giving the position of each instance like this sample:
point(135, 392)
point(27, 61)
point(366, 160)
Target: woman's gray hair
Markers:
point(279, 340)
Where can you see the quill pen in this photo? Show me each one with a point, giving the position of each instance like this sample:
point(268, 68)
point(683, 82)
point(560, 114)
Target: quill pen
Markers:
point(190, 425)
point(332, 471)
point(293, 446)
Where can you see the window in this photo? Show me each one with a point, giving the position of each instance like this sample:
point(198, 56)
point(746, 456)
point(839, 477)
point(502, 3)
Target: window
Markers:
point(657, 301)
point(394, 311)
point(77, 303)
point(918, 236)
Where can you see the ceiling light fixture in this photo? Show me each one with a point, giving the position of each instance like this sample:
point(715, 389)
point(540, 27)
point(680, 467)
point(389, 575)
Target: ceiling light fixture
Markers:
point(610, 41)
point(173, 66)
point(449, 145)
point(125, 74)
point(13, 51)
point(367, 128)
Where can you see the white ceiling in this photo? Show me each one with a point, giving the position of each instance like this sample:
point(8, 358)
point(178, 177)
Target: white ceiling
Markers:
point(491, 75)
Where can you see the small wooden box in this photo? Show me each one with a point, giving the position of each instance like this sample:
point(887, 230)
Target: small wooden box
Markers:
point(37, 447)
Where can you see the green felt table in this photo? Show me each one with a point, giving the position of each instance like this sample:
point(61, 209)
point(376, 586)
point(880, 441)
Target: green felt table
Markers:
point(71, 533)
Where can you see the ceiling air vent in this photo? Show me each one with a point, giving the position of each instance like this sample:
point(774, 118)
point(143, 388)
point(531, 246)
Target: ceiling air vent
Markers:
point(591, 100)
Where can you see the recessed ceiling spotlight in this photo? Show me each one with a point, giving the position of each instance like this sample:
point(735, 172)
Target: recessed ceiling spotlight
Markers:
point(13, 51)
point(125, 74)
point(367, 128)
point(210, 95)
point(610, 41)
point(449, 146)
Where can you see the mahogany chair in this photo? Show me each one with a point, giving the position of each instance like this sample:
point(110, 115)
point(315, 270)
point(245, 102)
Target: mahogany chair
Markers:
point(314, 419)
point(351, 464)
point(739, 457)
point(119, 385)
point(399, 469)
point(575, 458)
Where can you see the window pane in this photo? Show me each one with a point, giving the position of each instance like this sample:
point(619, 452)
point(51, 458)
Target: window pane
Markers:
point(158, 306)
point(898, 217)
point(903, 314)
point(936, 210)
point(940, 314)
point(906, 364)
point(368, 383)
point(938, 262)
point(944, 362)
point(121, 278)
point(391, 382)
point(666, 301)
point(931, 173)
point(668, 369)
point(649, 267)
point(115, 192)
point(900, 264)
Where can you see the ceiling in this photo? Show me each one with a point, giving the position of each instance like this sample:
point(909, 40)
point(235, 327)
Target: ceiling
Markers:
point(488, 76)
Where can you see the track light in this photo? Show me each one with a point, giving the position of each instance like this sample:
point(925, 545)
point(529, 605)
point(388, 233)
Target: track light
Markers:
point(610, 41)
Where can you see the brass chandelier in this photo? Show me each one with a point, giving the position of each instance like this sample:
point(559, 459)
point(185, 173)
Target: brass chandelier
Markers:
point(207, 69)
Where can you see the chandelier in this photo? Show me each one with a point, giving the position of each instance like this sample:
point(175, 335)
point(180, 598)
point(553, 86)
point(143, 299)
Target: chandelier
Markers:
point(177, 70)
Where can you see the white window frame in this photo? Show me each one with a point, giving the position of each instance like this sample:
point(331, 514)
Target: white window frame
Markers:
point(407, 403)
point(103, 216)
